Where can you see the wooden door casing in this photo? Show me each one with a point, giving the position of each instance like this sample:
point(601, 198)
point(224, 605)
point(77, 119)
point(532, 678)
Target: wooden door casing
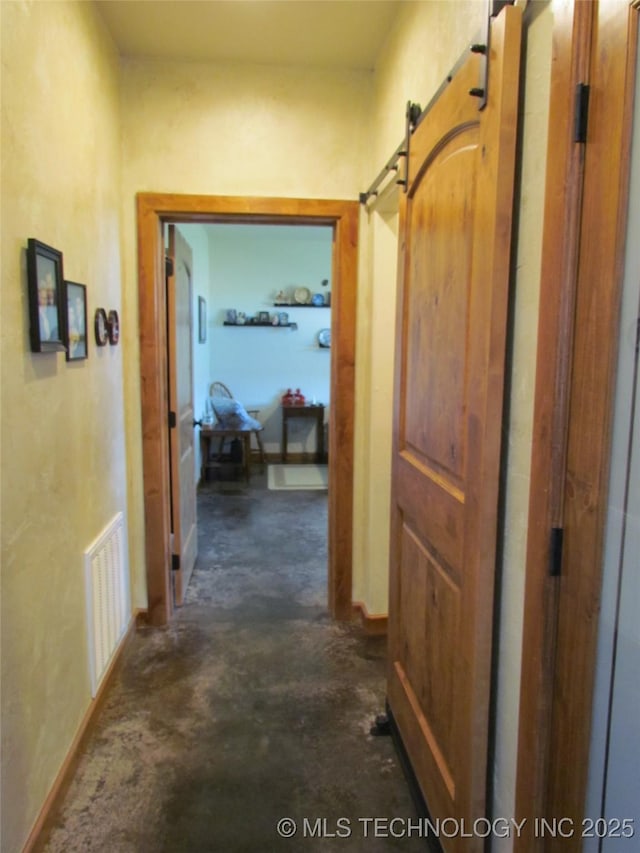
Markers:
point(583, 244)
point(454, 279)
point(183, 489)
point(155, 209)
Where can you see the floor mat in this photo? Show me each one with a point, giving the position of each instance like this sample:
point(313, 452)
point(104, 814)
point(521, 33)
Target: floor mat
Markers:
point(298, 477)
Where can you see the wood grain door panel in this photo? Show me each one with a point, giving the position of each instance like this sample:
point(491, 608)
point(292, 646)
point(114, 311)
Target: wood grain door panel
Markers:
point(452, 315)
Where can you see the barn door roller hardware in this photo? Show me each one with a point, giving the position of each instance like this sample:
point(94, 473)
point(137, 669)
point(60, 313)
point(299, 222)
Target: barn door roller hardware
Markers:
point(414, 114)
point(392, 165)
point(494, 7)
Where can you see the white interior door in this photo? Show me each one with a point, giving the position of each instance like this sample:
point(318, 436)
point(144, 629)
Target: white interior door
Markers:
point(180, 339)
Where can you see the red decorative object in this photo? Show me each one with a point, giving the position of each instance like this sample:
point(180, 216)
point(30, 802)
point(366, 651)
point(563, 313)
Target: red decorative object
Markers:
point(298, 398)
point(287, 399)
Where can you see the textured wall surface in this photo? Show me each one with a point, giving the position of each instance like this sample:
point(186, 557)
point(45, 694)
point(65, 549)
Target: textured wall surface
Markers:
point(228, 130)
point(522, 368)
point(63, 455)
point(423, 45)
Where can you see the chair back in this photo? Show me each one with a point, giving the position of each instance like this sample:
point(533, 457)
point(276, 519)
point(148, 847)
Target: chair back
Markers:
point(219, 389)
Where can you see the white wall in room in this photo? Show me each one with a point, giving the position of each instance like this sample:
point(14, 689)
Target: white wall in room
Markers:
point(249, 264)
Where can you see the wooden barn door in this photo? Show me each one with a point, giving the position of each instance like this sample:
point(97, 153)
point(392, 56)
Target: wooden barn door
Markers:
point(454, 277)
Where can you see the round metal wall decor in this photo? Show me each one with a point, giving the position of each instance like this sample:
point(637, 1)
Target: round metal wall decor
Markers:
point(101, 326)
point(113, 327)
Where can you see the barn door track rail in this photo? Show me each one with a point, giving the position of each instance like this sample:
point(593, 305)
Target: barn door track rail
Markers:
point(415, 114)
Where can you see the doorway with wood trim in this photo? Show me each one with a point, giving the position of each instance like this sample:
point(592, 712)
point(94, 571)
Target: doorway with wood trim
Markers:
point(583, 250)
point(153, 210)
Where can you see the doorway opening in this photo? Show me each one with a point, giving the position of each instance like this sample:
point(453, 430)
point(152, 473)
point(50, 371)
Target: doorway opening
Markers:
point(248, 329)
point(153, 211)
point(267, 290)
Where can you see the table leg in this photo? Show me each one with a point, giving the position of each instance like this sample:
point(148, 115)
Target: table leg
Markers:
point(205, 446)
point(285, 422)
point(320, 437)
point(247, 455)
point(260, 445)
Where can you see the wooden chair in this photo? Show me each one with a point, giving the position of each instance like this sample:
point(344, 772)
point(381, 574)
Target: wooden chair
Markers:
point(220, 390)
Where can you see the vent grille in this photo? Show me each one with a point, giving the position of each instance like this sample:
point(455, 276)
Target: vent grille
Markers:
point(107, 597)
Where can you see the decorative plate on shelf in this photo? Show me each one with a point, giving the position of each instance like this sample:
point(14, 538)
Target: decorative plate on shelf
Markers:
point(324, 337)
point(302, 295)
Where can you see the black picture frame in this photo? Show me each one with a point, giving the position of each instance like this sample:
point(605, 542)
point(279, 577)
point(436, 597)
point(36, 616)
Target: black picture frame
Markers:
point(45, 283)
point(202, 320)
point(76, 339)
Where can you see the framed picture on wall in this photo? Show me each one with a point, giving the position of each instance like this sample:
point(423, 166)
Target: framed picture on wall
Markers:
point(202, 320)
point(44, 279)
point(75, 337)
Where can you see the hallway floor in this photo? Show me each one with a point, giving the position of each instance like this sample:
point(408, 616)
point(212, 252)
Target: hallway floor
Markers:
point(253, 706)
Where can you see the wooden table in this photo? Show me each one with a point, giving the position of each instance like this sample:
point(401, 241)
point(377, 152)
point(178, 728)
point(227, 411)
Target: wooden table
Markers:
point(316, 413)
point(209, 433)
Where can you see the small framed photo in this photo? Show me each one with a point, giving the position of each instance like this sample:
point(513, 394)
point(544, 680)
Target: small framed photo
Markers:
point(45, 281)
point(263, 318)
point(75, 300)
point(202, 320)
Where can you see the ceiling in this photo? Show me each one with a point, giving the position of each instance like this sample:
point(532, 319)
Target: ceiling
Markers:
point(336, 34)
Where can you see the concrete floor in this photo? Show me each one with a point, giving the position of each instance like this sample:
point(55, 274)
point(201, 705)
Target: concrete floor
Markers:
point(253, 706)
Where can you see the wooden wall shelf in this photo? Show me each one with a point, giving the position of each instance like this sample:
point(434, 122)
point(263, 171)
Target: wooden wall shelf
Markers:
point(261, 325)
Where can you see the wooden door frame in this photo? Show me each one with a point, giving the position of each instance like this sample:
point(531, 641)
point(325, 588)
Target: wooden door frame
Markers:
point(155, 209)
point(576, 359)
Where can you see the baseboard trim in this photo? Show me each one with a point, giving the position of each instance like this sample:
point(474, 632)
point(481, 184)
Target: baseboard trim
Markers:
point(37, 836)
point(375, 623)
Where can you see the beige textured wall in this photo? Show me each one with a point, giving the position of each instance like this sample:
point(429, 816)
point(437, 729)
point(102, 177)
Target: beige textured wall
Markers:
point(63, 455)
point(539, 20)
point(422, 47)
point(228, 130)
point(424, 44)
point(374, 399)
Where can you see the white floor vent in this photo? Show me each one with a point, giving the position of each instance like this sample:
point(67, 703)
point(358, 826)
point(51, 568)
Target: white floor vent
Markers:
point(107, 595)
